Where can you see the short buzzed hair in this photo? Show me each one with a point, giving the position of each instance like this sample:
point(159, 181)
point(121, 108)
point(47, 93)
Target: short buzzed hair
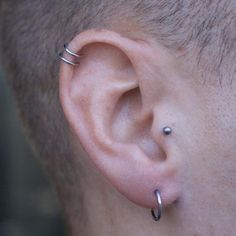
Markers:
point(33, 32)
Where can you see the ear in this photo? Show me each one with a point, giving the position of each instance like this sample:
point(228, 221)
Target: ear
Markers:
point(116, 104)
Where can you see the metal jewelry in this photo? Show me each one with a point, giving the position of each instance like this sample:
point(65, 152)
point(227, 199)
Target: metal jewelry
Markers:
point(157, 212)
point(167, 130)
point(68, 51)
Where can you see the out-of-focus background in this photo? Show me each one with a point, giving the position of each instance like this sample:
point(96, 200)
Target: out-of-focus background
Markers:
point(28, 206)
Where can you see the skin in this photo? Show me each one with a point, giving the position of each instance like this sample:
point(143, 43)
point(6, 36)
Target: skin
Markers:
point(126, 89)
point(193, 168)
point(117, 102)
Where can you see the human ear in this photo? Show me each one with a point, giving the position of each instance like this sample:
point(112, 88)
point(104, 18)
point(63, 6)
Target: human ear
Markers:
point(117, 104)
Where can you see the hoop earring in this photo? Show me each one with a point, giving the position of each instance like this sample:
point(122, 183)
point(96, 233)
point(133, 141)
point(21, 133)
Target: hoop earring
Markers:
point(157, 212)
point(72, 54)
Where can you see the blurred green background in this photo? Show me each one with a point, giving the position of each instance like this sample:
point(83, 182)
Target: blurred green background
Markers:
point(28, 206)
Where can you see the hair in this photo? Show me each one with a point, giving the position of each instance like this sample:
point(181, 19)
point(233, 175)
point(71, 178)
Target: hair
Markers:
point(33, 32)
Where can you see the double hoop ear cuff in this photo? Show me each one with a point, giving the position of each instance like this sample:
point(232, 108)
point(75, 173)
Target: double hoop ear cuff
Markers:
point(157, 212)
point(70, 53)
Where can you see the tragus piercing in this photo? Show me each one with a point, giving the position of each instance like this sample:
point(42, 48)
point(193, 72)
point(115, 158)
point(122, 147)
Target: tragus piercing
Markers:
point(167, 130)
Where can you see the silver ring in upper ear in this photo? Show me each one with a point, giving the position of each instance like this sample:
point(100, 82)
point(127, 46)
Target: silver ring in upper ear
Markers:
point(64, 59)
point(70, 52)
point(157, 212)
point(67, 61)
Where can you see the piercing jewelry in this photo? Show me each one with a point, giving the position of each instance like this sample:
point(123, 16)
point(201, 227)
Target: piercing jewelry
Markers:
point(68, 51)
point(157, 212)
point(167, 130)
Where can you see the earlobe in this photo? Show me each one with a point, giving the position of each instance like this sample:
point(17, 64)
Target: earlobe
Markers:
point(103, 100)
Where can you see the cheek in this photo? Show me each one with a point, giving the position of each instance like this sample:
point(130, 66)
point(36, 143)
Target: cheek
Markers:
point(214, 133)
point(207, 148)
point(221, 138)
point(210, 158)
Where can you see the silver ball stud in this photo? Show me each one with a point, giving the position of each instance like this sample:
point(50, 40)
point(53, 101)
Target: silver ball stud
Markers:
point(167, 130)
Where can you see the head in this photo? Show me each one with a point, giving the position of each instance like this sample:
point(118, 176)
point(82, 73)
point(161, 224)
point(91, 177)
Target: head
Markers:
point(97, 127)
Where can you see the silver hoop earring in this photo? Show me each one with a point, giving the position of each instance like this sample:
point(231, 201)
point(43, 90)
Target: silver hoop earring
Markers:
point(68, 51)
point(67, 61)
point(157, 212)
